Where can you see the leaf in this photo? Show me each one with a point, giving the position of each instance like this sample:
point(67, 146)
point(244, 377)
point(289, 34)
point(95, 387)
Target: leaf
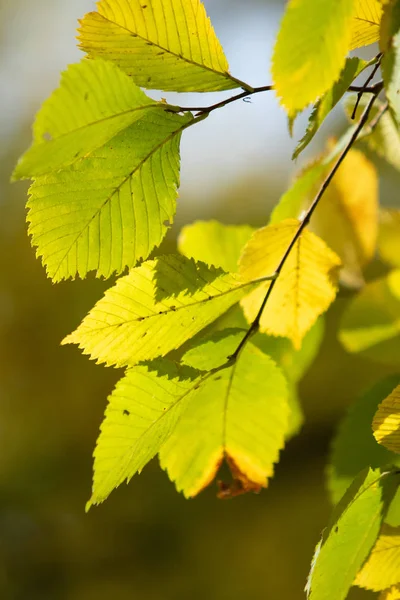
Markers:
point(352, 532)
point(366, 23)
point(384, 138)
point(155, 309)
point(390, 46)
point(303, 291)
point(386, 423)
point(142, 412)
point(94, 103)
point(214, 243)
point(310, 50)
point(354, 447)
point(382, 569)
point(347, 217)
point(239, 414)
point(370, 324)
point(112, 208)
point(392, 594)
point(168, 45)
point(389, 236)
point(353, 68)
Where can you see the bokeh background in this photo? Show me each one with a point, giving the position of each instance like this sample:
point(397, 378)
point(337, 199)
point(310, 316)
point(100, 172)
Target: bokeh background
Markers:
point(147, 542)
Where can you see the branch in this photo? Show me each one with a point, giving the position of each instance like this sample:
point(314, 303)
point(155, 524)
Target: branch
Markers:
point(367, 82)
point(254, 327)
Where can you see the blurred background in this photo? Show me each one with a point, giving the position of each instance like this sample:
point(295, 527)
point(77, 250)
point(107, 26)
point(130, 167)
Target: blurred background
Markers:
point(148, 542)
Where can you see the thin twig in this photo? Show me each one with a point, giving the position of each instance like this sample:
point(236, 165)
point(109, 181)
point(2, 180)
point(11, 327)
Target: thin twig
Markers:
point(254, 327)
point(365, 86)
point(375, 121)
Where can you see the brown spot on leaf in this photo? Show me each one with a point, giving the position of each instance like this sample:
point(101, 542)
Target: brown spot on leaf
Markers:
point(239, 485)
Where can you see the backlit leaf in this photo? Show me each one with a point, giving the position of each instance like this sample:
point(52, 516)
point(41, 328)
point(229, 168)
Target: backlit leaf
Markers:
point(354, 447)
point(352, 532)
point(214, 243)
point(239, 414)
point(366, 23)
point(386, 423)
point(391, 594)
point(142, 412)
point(155, 309)
point(382, 569)
point(305, 288)
point(389, 236)
point(311, 50)
point(371, 322)
point(162, 44)
point(390, 46)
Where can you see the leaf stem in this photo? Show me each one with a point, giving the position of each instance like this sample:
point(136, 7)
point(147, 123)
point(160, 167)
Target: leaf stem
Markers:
point(254, 327)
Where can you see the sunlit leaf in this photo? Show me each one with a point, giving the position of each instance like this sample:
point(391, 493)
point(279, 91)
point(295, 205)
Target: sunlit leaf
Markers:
point(162, 44)
point(111, 207)
point(305, 288)
point(214, 243)
point(382, 569)
point(366, 23)
point(155, 309)
point(239, 414)
point(354, 447)
point(371, 322)
point(386, 423)
point(390, 46)
point(95, 102)
point(354, 66)
point(311, 50)
point(142, 412)
point(389, 236)
point(350, 536)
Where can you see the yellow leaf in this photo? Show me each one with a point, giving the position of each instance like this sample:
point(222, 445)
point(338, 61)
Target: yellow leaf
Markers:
point(366, 23)
point(386, 423)
point(389, 236)
point(392, 594)
point(305, 288)
point(311, 50)
point(382, 568)
point(162, 44)
point(347, 218)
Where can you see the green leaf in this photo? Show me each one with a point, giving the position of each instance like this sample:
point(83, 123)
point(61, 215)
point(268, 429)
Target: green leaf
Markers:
point(111, 208)
point(350, 536)
point(390, 45)
point(239, 414)
point(389, 236)
point(311, 50)
point(353, 68)
point(214, 243)
point(384, 139)
point(354, 447)
point(371, 322)
point(155, 309)
point(142, 412)
point(169, 45)
point(95, 102)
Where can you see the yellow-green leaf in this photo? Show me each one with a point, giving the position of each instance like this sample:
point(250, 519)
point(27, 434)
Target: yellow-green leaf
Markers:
point(162, 44)
point(389, 236)
point(311, 50)
point(382, 569)
point(155, 309)
point(142, 412)
point(366, 23)
point(214, 243)
point(371, 322)
point(386, 423)
point(239, 414)
point(305, 288)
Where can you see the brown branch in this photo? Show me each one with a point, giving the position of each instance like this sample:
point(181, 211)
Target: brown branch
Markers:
point(367, 82)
